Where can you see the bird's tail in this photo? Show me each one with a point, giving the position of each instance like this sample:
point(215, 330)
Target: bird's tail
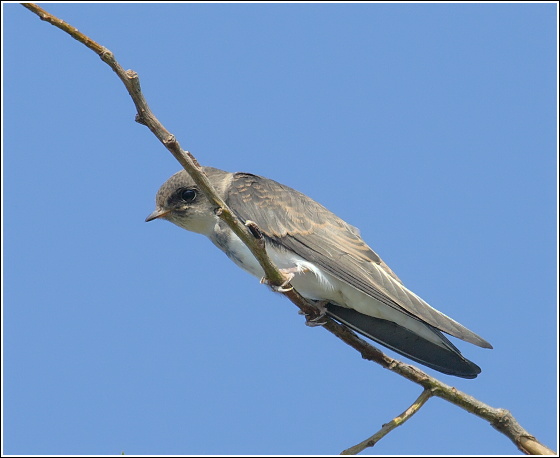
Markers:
point(444, 358)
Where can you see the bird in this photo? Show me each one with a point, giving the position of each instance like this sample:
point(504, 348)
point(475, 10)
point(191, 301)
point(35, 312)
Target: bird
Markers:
point(324, 258)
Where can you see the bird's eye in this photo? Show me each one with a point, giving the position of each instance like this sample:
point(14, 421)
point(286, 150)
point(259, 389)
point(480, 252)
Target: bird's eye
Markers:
point(188, 195)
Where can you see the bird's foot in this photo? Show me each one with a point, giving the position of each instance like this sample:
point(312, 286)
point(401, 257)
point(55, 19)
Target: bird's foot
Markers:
point(289, 274)
point(316, 320)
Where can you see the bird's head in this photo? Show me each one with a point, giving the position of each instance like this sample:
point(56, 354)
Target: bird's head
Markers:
point(180, 201)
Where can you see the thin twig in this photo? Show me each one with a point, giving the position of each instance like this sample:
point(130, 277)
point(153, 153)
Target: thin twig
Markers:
point(388, 427)
point(500, 419)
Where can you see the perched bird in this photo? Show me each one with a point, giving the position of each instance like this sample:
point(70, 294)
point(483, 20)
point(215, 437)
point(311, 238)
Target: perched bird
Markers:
point(325, 260)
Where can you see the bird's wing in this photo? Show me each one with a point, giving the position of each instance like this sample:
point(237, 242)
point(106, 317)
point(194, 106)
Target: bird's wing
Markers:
point(298, 223)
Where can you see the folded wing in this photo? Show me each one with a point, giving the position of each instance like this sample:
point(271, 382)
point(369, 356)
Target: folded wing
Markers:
point(310, 230)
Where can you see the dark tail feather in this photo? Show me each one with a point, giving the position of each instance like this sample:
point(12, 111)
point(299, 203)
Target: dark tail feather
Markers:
point(447, 360)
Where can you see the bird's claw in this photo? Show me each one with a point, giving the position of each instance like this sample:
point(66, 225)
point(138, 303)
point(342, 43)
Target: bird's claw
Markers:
point(313, 322)
point(316, 321)
point(282, 288)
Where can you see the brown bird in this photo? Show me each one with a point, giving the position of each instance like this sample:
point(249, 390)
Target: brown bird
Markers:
point(325, 260)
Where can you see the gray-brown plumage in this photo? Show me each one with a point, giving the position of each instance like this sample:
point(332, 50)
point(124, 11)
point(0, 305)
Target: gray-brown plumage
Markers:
point(330, 260)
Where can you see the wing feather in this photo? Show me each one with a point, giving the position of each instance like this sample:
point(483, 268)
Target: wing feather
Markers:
point(297, 222)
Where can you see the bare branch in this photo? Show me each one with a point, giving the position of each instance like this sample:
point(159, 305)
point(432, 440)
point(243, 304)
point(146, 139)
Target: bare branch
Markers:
point(500, 419)
point(388, 427)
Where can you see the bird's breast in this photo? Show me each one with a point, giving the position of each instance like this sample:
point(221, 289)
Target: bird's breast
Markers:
point(226, 240)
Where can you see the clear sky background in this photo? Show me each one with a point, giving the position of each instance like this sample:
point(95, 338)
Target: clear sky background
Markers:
point(431, 127)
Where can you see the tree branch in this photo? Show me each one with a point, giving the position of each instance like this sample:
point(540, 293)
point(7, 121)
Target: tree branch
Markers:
point(500, 419)
point(388, 427)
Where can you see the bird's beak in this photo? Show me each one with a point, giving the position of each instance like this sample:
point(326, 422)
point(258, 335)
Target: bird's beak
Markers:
point(158, 213)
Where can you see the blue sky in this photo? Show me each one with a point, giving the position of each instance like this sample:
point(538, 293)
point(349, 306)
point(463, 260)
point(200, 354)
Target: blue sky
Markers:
point(431, 127)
